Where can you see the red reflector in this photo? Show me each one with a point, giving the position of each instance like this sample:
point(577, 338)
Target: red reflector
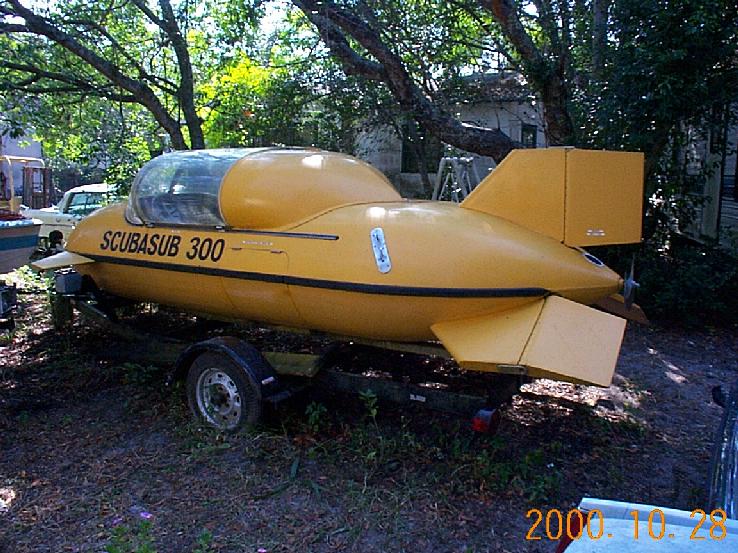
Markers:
point(486, 421)
point(480, 424)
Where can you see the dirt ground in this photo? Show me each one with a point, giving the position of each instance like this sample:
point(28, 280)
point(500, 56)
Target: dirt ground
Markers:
point(97, 454)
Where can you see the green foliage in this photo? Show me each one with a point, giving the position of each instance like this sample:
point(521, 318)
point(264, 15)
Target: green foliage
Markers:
point(232, 23)
point(690, 282)
point(252, 105)
point(316, 413)
point(87, 134)
point(135, 539)
point(204, 542)
point(136, 374)
point(661, 73)
point(371, 404)
point(681, 280)
point(460, 460)
point(27, 279)
point(497, 465)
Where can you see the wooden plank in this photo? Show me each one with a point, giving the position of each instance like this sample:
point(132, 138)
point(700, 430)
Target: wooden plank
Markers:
point(293, 364)
point(425, 348)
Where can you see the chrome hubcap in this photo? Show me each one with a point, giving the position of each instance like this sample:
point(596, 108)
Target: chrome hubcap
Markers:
point(218, 399)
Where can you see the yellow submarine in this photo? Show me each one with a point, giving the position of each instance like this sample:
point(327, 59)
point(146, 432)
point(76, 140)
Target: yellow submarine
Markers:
point(310, 239)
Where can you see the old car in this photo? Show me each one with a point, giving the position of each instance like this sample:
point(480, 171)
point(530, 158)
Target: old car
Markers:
point(59, 220)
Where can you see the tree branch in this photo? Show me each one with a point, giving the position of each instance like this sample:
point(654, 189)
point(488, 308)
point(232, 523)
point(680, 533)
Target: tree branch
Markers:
point(536, 66)
point(126, 98)
point(162, 84)
point(7, 28)
point(352, 62)
point(599, 36)
point(75, 85)
point(548, 23)
point(41, 73)
point(334, 24)
point(548, 78)
point(141, 5)
point(40, 26)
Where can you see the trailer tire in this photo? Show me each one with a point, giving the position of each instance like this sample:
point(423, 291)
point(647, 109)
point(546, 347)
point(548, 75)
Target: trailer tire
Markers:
point(220, 394)
point(54, 240)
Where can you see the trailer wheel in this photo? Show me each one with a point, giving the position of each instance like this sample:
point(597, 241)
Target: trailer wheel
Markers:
point(54, 241)
point(219, 393)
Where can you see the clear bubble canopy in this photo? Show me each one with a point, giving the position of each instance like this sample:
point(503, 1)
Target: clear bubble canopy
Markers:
point(251, 188)
point(181, 188)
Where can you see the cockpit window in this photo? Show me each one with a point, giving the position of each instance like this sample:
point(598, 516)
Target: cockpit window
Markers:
point(181, 188)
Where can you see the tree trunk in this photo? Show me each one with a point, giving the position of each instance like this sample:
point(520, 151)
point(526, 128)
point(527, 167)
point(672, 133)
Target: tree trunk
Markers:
point(548, 79)
point(420, 152)
point(599, 36)
point(186, 91)
point(555, 98)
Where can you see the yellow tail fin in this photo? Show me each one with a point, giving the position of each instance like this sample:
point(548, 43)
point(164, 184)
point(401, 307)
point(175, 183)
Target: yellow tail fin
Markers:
point(578, 197)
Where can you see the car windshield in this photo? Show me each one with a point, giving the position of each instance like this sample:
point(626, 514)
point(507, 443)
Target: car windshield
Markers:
point(84, 203)
point(181, 188)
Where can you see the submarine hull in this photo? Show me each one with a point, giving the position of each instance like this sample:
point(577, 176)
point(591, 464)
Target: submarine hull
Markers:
point(446, 264)
point(319, 240)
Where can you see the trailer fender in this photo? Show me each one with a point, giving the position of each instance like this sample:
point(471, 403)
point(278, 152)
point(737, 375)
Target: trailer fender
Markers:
point(257, 370)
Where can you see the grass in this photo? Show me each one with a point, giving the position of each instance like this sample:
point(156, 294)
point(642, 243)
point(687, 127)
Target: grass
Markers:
point(139, 536)
point(132, 538)
point(455, 461)
point(336, 473)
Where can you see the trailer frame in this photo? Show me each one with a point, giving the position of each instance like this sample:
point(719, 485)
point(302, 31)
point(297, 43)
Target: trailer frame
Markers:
point(288, 374)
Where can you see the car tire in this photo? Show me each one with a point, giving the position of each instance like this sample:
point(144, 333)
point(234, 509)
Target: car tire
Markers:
point(220, 393)
point(723, 479)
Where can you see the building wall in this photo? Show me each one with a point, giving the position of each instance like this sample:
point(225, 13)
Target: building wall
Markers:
point(382, 147)
point(19, 147)
point(732, 157)
point(716, 216)
point(22, 147)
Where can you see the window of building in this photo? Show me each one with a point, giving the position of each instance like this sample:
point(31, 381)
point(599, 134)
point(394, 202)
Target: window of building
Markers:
point(431, 147)
point(529, 136)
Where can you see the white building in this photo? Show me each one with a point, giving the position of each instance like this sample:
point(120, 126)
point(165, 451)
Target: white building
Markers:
point(21, 147)
point(492, 101)
point(712, 161)
point(38, 193)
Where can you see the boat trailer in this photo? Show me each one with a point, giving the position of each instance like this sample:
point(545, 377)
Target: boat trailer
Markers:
point(243, 380)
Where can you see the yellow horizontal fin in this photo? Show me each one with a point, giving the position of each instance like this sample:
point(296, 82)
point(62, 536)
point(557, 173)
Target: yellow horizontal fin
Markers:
point(550, 338)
